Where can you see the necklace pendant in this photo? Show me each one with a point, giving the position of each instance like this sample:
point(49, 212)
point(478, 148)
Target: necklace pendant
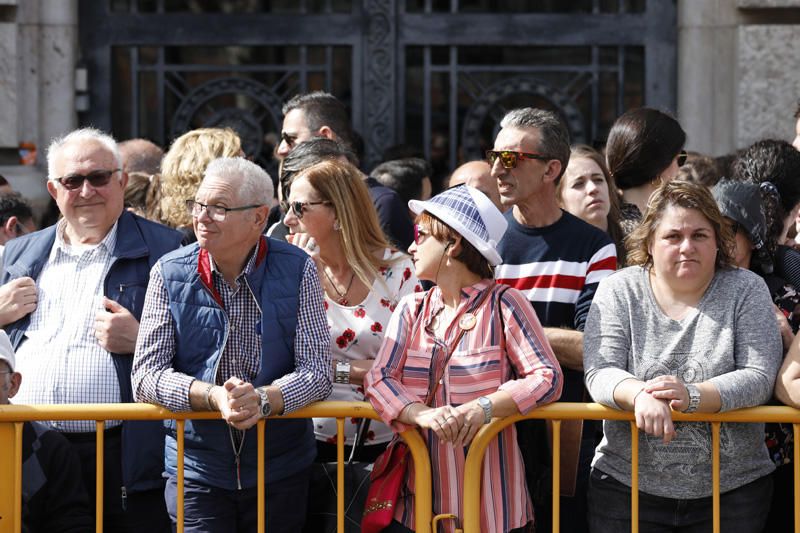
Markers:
point(343, 301)
point(467, 321)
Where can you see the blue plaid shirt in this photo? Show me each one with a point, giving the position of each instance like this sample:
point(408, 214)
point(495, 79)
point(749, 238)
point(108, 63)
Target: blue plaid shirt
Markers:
point(155, 381)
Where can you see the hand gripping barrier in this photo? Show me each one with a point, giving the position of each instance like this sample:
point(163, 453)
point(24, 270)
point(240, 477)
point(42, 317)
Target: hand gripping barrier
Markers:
point(13, 416)
point(591, 411)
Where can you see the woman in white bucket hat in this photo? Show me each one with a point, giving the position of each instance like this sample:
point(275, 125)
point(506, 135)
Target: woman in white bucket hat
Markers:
point(475, 348)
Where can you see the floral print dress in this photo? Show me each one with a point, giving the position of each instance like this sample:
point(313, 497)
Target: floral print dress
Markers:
point(357, 333)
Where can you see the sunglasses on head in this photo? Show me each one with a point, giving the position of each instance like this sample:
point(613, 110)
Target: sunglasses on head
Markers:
point(509, 158)
point(97, 178)
point(682, 155)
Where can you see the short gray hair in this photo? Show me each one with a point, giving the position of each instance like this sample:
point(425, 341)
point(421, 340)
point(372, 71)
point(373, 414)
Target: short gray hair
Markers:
point(256, 184)
point(81, 135)
point(554, 137)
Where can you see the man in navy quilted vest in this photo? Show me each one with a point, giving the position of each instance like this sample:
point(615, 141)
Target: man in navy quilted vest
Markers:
point(235, 323)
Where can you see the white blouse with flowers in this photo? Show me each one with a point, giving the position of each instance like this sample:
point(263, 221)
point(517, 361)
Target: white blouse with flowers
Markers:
point(357, 333)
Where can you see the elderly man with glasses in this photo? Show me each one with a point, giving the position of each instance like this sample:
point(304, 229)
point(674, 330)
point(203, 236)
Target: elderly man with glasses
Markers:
point(70, 303)
point(235, 323)
point(557, 260)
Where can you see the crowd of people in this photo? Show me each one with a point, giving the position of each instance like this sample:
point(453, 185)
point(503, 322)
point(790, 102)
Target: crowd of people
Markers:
point(639, 276)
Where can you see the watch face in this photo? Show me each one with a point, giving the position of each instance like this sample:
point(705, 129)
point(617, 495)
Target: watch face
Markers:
point(265, 408)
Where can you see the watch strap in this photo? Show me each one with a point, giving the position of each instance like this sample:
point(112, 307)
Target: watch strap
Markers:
point(694, 398)
point(486, 404)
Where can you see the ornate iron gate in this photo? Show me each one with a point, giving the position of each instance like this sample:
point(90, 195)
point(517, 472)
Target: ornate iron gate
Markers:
point(434, 74)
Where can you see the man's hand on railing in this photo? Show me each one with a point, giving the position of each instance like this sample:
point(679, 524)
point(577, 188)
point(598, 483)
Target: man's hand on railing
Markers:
point(238, 402)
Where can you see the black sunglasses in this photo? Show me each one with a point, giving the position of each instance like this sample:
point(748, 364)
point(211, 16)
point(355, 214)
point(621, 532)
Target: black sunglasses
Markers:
point(299, 208)
point(682, 155)
point(97, 178)
point(509, 158)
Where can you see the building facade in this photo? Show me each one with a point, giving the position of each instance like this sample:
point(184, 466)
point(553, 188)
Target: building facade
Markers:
point(435, 75)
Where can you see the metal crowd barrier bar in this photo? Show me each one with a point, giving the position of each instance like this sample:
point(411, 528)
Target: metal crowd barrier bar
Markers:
point(13, 416)
point(592, 411)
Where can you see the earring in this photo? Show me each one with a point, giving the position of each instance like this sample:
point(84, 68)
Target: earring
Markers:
point(336, 226)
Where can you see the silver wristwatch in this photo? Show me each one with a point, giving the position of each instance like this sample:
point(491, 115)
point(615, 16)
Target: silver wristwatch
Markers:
point(486, 404)
point(694, 398)
point(342, 372)
point(265, 408)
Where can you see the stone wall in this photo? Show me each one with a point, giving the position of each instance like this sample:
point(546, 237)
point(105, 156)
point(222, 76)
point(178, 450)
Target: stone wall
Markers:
point(38, 54)
point(738, 71)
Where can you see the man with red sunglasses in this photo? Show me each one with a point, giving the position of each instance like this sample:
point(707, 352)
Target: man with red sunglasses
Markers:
point(71, 301)
point(557, 261)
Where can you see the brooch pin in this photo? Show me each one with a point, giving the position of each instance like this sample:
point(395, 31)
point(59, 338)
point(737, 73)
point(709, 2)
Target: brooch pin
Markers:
point(467, 321)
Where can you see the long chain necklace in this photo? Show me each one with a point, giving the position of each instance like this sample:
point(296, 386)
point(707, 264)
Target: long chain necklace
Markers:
point(342, 300)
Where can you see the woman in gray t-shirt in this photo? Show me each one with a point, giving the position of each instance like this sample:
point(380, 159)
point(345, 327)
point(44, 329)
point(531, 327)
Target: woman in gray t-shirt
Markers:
point(681, 330)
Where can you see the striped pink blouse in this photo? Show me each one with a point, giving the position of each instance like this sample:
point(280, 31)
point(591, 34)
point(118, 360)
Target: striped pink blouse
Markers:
point(485, 360)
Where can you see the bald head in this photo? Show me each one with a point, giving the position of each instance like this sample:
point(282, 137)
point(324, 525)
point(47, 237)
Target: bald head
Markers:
point(141, 155)
point(477, 174)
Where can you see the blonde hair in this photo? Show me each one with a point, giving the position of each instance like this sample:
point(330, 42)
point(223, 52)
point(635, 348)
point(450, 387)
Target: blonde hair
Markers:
point(360, 233)
point(184, 165)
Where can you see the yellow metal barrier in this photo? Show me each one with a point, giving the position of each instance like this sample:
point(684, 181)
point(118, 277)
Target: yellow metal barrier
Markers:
point(12, 417)
point(590, 411)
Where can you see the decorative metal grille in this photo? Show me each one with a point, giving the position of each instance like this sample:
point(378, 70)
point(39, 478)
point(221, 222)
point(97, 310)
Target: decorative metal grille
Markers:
point(434, 74)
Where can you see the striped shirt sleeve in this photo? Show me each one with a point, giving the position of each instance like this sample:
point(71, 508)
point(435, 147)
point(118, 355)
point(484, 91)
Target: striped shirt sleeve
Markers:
point(601, 265)
point(311, 379)
point(153, 379)
point(384, 389)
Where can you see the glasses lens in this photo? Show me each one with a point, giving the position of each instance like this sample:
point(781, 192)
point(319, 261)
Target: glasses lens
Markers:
point(508, 159)
point(297, 209)
point(100, 178)
point(71, 182)
point(682, 158)
point(491, 156)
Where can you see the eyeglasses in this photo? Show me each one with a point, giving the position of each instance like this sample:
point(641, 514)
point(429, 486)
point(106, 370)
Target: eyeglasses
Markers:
point(419, 234)
point(509, 158)
point(288, 139)
point(682, 155)
point(97, 178)
point(215, 212)
point(299, 208)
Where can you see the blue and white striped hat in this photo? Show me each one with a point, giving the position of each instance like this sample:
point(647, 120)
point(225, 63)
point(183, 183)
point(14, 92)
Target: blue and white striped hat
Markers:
point(468, 211)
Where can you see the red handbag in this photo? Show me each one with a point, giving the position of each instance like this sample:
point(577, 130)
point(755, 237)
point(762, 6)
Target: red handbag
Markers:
point(386, 480)
point(389, 471)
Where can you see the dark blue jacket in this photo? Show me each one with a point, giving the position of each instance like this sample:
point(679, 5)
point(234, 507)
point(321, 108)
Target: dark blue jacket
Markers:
point(202, 328)
point(140, 243)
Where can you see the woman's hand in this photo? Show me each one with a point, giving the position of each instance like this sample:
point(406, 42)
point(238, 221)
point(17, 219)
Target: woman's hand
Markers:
point(653, 416)
point(305, 242)
point(445, 421)
point(474, 418)
point(671, 389)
